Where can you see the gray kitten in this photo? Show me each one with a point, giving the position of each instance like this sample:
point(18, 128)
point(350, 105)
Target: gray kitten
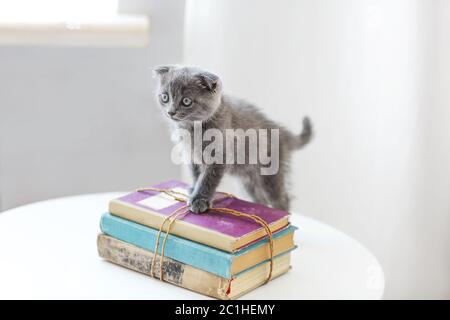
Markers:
point(188, 95)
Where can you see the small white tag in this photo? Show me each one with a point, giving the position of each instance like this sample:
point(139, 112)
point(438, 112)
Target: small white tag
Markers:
point(161, 200)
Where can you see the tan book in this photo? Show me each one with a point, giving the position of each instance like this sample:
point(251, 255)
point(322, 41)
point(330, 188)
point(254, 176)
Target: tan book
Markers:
point(219, 262)
point(186, 276)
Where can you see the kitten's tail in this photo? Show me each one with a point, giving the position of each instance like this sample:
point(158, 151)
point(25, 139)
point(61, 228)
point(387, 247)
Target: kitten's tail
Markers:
point(305, 136)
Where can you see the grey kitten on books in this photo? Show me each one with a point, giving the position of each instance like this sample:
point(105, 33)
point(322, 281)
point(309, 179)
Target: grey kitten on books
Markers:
point(192, 98)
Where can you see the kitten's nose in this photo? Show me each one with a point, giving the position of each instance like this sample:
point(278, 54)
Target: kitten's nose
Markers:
point(171, 113)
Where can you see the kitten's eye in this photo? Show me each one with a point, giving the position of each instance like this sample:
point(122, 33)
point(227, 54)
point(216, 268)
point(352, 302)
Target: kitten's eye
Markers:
point(164, 97)
point(186, 102)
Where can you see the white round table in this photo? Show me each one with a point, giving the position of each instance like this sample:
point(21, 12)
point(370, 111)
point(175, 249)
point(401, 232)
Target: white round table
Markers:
point(48, 251)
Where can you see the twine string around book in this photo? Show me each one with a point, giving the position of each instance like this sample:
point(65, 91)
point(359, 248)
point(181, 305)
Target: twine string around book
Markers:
point(183, 210)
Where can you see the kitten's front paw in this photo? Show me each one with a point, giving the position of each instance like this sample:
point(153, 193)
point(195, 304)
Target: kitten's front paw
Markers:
point(199, 205)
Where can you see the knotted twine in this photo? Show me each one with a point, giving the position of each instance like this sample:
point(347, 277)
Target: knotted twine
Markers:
point(183, 210)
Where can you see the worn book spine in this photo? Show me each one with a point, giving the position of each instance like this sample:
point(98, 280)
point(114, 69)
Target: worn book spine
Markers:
point(174, 272)
point(196, 254)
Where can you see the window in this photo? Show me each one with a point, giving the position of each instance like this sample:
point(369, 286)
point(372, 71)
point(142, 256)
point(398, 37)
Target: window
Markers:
point(55, 10)
point(70, 23)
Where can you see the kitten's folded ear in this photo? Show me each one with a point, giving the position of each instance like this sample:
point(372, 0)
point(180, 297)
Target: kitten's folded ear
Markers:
point(160, 71)
point(208, 80)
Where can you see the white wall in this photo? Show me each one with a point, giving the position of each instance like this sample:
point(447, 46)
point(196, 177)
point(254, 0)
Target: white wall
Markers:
point(373, 76)
point(84, 120)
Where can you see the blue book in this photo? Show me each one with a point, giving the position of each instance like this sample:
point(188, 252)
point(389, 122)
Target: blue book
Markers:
point(218, 262)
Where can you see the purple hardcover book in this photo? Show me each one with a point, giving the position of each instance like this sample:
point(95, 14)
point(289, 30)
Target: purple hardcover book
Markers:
point(220, 230)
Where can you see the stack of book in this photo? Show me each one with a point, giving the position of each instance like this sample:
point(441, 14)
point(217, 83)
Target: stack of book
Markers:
point(216, 254)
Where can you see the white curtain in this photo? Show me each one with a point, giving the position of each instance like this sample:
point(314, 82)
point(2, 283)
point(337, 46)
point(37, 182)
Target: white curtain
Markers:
point(374, 77)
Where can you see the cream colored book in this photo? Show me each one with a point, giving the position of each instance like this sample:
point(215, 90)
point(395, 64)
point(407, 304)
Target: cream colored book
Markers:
point(186, 276)
point(219, 230)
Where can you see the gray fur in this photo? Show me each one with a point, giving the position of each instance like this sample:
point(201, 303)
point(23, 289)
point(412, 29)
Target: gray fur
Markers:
point(218, 110)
